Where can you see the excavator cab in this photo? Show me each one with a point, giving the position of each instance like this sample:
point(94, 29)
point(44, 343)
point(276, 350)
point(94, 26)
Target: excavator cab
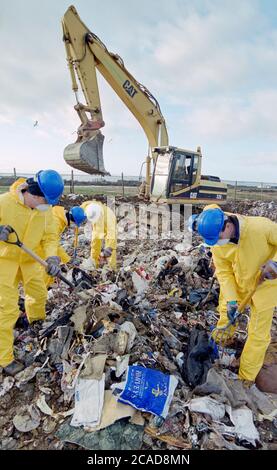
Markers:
point(176, 171)
point(177, 178)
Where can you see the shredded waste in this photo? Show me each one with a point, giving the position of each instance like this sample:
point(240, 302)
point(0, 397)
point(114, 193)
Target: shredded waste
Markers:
point(125, 361)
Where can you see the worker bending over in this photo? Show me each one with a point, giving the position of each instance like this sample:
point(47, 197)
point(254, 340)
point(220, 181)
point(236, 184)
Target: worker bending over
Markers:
point(242, 247)
point(62, 219)
point(104, 231)
point(26, 208)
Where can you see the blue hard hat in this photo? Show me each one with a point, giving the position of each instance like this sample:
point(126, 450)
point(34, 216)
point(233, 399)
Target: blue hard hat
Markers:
point(192, 223)
point(51, 185)
point(209, 225)
point(78, 215)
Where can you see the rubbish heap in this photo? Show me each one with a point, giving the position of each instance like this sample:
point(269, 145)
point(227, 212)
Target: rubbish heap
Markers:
point(254, 208)
point(124, 361)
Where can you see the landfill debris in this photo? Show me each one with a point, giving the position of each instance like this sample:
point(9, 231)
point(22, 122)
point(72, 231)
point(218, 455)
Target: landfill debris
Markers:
point(28, 373)
point(122, 363)
point(112, 411)
point(148, 390)
point(215, 441)
point(225, 387)
point(27, 419)
point(140, 284)
point(43, 407)
point(198, 357)
point(89, 400)
point(263, 403)
point(156, 312)
point(171, 440)
point(94, 367)
point(207, 406)
point(130, 329)
point(119, 436)
point(245, 429)
point(7, 384)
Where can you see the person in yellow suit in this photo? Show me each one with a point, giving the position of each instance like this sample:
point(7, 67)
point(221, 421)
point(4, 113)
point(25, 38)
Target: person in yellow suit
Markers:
point(242, 247)
point(62, 220)
point(26, 209)
point(104, 230)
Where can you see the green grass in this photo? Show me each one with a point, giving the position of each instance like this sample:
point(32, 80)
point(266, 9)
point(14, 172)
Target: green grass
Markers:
point(87, 190)
point(254, 195)
point(106, 190)
point(240, 194)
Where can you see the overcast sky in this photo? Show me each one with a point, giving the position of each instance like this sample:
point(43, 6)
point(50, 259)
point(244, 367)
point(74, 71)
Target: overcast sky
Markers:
point(212, 65)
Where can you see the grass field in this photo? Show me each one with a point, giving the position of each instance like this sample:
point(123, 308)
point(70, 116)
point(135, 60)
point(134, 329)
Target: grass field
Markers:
point(239, 194)
point(87, 190)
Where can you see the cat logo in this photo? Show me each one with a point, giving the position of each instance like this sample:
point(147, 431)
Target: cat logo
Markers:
point(129, 88)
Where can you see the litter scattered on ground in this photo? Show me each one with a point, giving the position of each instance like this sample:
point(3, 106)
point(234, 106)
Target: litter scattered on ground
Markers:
point(126, 362)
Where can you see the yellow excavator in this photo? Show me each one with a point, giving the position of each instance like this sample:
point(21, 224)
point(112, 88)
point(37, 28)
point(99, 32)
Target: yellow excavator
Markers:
point(173, 175)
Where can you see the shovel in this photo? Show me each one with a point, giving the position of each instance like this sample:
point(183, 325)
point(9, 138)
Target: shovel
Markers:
point(36, 257)
point(224, 330)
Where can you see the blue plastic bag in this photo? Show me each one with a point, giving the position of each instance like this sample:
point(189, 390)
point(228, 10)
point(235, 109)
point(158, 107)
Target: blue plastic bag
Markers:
point(148, 390)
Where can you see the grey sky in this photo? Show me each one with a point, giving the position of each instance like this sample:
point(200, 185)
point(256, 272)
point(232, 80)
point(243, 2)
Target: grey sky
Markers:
point(212, 65)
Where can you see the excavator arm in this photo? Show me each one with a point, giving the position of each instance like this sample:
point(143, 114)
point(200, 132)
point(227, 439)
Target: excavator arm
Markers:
point(86, 53)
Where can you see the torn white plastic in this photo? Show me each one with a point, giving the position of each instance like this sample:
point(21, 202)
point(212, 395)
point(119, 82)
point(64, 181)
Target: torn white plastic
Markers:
point(44, 408)
point(140, 284)
point(129, 328)
point(242, 418)
point(208, 406)
point(89, 400)
point(122, 363)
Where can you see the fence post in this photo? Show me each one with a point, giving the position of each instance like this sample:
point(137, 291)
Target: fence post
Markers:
point(14, 173)
point(122, 180)
point(72, 183)
point(236, 185)
point(261, 191)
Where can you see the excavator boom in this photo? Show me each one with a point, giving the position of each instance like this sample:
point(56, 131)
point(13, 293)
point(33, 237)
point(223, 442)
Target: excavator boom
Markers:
point(86, 53)
point(176, 176)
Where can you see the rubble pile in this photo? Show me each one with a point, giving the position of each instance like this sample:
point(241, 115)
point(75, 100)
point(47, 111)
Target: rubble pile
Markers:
point(256, 208)
point(125, 361)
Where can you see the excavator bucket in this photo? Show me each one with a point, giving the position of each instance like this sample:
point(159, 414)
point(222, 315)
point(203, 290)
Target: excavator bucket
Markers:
point(87, 155)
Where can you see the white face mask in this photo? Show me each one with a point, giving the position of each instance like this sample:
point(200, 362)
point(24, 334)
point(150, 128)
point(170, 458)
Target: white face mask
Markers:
point(222, 242)
point(43, 207)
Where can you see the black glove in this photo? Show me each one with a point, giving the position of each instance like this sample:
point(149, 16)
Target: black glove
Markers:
point(5, 231)
point(53, 268)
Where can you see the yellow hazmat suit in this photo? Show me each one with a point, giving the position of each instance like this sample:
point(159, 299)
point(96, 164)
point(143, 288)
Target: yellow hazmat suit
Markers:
point(60, 224)
point(236, 269)
point(34, 228)
point(104, 229)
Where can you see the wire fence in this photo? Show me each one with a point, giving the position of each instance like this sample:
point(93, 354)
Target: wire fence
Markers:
point(124, 185)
